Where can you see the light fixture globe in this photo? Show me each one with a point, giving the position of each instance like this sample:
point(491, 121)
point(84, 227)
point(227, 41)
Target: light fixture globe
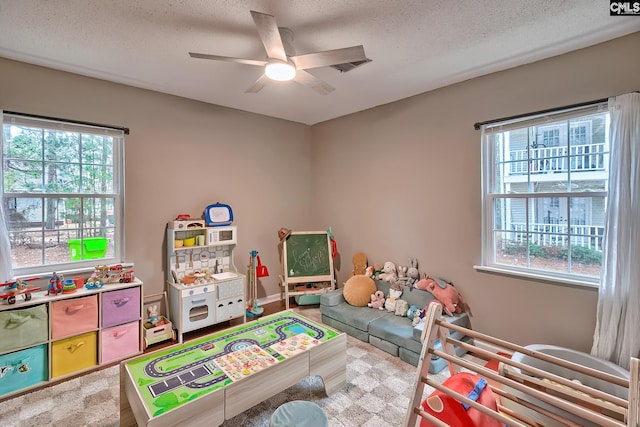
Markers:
point(280, 71)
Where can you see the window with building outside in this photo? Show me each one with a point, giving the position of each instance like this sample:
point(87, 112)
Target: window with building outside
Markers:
point(545, 183)
point(62, 194)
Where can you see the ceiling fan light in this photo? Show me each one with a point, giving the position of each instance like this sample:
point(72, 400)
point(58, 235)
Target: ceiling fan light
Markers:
point(280, 71)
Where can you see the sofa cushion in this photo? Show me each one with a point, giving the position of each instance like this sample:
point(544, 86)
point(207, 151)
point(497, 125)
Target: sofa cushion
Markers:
point(395, 329)
point(332, 298)
point(357, 317)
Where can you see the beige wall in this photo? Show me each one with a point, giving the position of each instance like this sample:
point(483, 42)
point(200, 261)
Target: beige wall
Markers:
point(397, 181)
point(403, 180)
point(182, 155)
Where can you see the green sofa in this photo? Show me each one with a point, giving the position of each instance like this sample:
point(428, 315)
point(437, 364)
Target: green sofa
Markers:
point(393, 334)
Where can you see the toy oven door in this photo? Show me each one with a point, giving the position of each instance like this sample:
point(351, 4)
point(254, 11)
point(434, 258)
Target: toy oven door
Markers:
point(199, 309)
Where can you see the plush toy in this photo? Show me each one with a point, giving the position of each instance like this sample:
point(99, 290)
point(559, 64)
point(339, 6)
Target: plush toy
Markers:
point(426, 282)
point(402, 272)
point(394, 295)
point(369, 272)
point(411, 312)
point(401, 307)
point(377, 271)
point(389, 272)
point(377, 300)
point(410, 274)
point(154, 314)
point(359, 263)
point(418, 317)
point(448, 296)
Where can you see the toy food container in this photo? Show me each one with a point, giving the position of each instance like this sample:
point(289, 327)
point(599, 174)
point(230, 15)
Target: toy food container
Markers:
point(177, 243)
point(190, 241)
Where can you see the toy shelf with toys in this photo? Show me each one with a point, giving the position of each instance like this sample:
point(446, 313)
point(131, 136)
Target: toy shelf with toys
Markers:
point(157, 328)
point(67, 328)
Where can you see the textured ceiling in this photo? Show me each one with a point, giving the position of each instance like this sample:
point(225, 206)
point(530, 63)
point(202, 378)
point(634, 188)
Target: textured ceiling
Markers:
point(415, 45)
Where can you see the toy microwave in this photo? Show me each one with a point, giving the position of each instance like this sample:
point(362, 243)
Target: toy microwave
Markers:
point(221, 235)
point(218, 215)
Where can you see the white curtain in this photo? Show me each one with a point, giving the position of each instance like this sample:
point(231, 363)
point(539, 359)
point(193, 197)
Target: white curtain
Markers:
point(617, 336)
point(6, 272)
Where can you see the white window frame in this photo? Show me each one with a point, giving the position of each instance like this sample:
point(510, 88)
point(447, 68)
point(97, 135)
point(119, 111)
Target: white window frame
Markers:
point(489, 195)
point(117, 193)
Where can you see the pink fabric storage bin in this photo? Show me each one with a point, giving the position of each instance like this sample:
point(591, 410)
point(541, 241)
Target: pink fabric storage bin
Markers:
point(120, 341)
point(120, 306)
point(74, 316)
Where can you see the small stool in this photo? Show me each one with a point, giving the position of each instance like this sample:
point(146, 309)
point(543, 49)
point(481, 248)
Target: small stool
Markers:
point(299, 413)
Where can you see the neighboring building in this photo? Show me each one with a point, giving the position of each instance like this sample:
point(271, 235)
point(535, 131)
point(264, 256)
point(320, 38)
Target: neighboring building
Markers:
point(559, 157)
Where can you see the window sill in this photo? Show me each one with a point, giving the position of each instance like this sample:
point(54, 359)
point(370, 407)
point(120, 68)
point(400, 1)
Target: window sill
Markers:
point(585, 284)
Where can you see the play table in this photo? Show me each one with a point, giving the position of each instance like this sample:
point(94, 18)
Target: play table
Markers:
point(214, 378)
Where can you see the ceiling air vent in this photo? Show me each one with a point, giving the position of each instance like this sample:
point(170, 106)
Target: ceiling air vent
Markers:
point(348, 66)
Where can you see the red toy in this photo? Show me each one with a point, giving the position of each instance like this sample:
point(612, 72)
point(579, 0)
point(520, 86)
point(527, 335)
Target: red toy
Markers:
point(456, 414)
point(55, 284)
point(18, 288)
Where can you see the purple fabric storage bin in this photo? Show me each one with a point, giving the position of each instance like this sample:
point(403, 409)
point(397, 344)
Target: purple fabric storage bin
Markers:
point(120, 306)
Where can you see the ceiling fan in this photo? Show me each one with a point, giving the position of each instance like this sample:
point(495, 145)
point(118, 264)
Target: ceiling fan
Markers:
point(282, 64)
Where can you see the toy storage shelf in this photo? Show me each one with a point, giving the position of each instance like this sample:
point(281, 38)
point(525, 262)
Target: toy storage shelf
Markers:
point(207, 301)
point(49, 338)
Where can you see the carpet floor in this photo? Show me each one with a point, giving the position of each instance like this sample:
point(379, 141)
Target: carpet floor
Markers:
point(377, 394)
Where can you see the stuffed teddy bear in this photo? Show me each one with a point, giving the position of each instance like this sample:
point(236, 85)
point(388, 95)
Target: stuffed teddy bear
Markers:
point(449, 297)
point(377, 300)
point(394, 295)
point(359, 263)
point(389, 272)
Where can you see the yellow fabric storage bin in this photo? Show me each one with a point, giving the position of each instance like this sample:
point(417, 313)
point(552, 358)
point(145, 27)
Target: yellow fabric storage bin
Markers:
point(74, 354)
point(23, 327)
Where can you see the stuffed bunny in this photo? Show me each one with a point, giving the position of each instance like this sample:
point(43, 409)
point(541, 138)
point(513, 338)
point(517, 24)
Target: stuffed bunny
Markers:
point(154, 314)
point(411, 274)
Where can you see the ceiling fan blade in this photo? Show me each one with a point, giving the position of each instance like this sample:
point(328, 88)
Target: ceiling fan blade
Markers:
point(329, 57)
point(258, 85)
point(308, 79)
point(269, 34)
point(228, 59)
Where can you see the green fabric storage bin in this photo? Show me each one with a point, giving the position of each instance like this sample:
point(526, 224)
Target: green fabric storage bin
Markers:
point(23, 327)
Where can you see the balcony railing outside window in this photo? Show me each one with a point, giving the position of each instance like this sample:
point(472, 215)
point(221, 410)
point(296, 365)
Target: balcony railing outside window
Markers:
point(576, 158)
point(589, 236)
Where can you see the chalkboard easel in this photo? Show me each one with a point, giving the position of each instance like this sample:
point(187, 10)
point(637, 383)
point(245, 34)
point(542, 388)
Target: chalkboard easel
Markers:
point(306, 258)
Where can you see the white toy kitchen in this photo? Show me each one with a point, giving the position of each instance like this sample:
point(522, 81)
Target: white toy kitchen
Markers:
point(203, 283)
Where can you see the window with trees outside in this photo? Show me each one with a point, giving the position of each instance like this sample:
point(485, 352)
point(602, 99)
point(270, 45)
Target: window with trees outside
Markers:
point(545, 181)
point(62, 190)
